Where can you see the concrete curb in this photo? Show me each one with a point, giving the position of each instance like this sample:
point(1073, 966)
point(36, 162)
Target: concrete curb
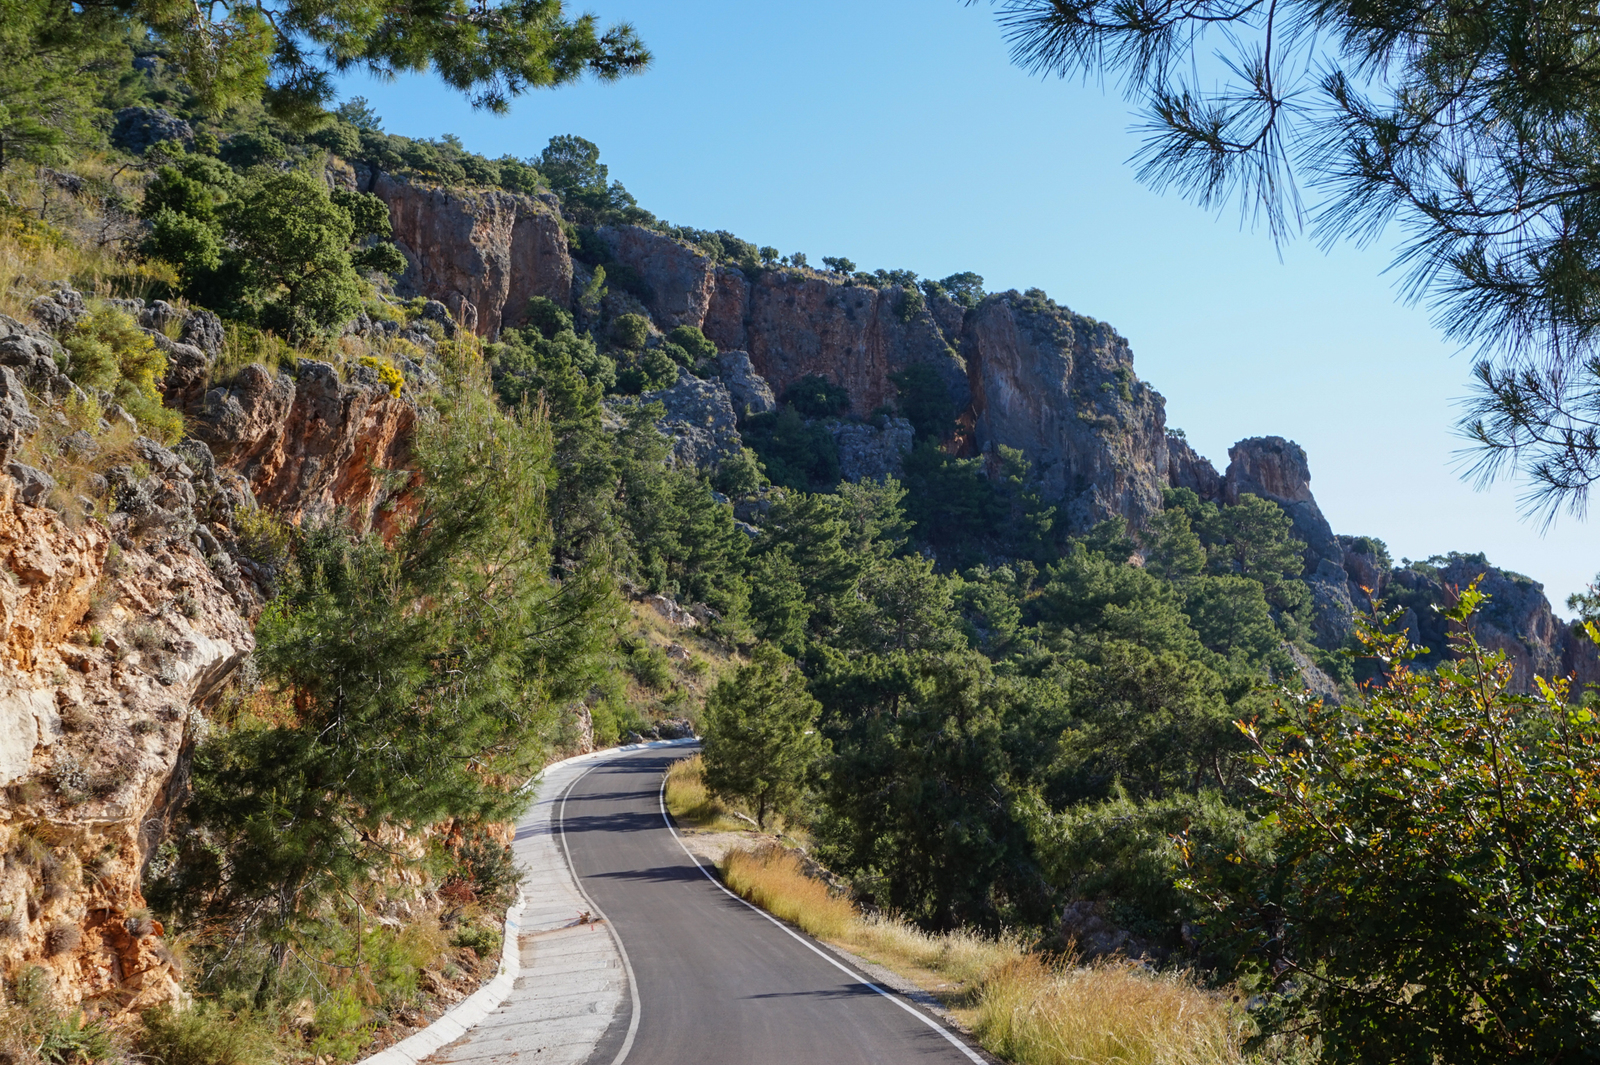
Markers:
point(460, 1019)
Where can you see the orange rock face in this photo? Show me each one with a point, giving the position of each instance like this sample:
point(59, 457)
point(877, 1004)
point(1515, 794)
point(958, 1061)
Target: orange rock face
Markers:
point(310, 444)
point(482, 253)
point(110, 660)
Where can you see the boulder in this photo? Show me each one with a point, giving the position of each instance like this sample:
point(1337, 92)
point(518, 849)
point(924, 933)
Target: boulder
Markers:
point(870, 452)
point(58, 309)
point(675, 728)
point(203, 330)
point(17, 422)
point(699, 420)
point(138, 128)
point(672, 612)
point(33, 486)
point(747, 389)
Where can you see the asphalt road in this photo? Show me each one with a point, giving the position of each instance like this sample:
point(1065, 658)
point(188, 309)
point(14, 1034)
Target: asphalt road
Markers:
point(718, 983)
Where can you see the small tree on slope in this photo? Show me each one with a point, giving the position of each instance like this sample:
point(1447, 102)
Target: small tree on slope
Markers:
point(761, 737)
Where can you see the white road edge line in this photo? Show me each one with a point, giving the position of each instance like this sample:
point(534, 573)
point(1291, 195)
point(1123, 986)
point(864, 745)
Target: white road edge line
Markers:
point(798, 938)
point(633, 984)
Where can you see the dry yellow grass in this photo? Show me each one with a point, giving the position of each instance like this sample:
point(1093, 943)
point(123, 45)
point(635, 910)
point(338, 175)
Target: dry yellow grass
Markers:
point(33, 254)
point(691, 805)
point(1112, 1012)
point(774, 879)
point(1024, 1008)
point(76, 470)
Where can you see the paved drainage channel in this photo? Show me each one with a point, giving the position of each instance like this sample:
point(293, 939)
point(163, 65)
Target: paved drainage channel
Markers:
point(571, 985)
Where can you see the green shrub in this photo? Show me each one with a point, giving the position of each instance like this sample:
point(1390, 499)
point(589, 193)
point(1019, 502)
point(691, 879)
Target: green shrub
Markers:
point(483, 940)
point(814, 396)
point(110, 351)
point(204, 1035)
point(630, 331)
point(646, 372)
point(694, 342)
point(337, 1029)
point(650, 667)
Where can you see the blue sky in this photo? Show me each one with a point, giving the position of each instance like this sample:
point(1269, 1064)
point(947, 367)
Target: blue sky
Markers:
point(896, 133)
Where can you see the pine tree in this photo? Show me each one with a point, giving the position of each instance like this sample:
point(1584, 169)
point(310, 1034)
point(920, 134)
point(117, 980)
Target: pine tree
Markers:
point(761, 736)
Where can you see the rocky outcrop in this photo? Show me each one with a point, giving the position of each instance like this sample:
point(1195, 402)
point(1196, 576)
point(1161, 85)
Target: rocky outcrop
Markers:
point(799, 324)
point(1060, 388)
point(1187, 469)
point(872, 452)
point(747, 389)
point(792, 323)
point(114, 642)
point(699, 421)
point(1276, 469)
point(679, 283)
point(1516, 619)
point(17, 421)
point(483, 253)
point(35, 357)
point(139, 128)
point(309, 444)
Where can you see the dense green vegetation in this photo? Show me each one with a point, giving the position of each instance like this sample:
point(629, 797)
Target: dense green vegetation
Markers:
point(982, 717)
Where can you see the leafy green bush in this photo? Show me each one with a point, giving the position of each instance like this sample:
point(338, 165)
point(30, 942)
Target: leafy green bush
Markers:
point(647, 371)
point(814, 396)
point(1431, 896)
point(204, 1035)
point(694, 342)
point(630, 331)
point(795, 453)
point(110, 351)
point(482, 939)
point(650, 667)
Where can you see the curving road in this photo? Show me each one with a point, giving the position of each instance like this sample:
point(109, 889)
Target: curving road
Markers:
point(712, 980)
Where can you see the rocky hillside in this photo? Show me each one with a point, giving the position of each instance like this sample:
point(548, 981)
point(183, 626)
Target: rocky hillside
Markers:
point(121, 624)
point(1021, 371)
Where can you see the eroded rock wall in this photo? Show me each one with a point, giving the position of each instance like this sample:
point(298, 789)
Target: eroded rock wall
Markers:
point(1060, 388)
point(308, 443)
point(114, 645)
point(121, 622)
point(483, 253)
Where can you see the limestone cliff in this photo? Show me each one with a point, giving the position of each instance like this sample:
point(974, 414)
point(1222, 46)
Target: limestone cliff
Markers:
point(121, 620)
point(1516, 619)
point(483, 253)
point(1276, 469)
point(307, 443)
point(1060, 388)
point(115, 642)
point(1021, 372)
point(1026, 372)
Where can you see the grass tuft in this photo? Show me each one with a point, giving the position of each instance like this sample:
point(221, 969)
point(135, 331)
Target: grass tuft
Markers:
point(775, 879)
point(692, 805)
point(1035, 1013)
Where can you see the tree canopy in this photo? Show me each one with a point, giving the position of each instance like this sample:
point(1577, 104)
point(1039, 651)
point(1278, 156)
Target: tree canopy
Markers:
point(284, 54)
